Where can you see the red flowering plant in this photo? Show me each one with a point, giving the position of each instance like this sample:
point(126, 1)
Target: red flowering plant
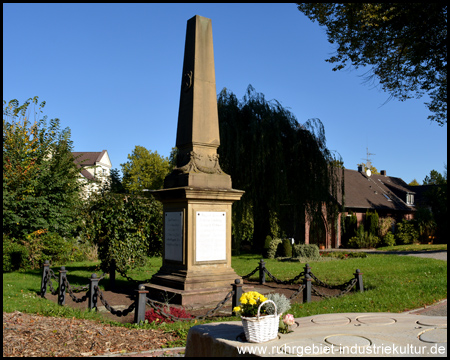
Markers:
point(152, 316)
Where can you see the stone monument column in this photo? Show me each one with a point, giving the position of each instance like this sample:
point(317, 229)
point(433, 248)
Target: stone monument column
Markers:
point(197, 196)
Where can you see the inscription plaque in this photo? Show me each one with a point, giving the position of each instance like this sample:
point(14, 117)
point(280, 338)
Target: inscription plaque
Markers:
point(211, 240)
point(173, 235)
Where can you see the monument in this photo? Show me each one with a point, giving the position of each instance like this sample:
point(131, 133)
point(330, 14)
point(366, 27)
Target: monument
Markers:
point(197, 196)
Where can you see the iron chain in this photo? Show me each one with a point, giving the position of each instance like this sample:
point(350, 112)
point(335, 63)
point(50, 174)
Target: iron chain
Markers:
point(285, 282)
point(108, 307)
point(348, 286)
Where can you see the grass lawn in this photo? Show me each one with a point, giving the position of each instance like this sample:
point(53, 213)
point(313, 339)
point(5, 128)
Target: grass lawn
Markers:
point(415, 247)
point(392, 284)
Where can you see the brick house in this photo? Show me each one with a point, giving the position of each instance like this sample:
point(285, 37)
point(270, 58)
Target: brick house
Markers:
point(388, 195)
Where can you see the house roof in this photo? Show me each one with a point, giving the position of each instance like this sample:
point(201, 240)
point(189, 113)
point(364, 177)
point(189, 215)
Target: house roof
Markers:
point(88, 158)
point(378, 192)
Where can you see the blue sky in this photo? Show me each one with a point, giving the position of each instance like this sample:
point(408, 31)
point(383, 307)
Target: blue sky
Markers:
point(112, 74)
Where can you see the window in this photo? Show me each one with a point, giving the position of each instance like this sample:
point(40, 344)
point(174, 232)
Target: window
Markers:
point(410, 199)
point(387, 197)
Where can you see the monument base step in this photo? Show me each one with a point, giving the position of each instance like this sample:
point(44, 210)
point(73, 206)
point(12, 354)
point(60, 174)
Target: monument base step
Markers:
point(196, 299)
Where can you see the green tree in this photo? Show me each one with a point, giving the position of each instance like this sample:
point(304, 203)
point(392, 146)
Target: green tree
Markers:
point(282, 166)
point(41, 187)
point(404, 43)
point(414, 183)
point(115, 182)
point(144, 170)
point(436, 196)
point(435, 178)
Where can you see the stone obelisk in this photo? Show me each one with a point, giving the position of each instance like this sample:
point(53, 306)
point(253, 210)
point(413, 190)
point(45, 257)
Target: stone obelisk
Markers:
point(197, 196)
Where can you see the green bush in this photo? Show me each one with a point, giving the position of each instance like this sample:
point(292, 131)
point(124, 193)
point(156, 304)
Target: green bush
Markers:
point(285, 249)
point(349, 228)
point(363, 239)
point(272, 251)
point(371, 222)
point(126, 228)
point(388, 239)
point(310, 251)
point(267, 246)
point(406, 233)
point(385, 225)
point(15, 255)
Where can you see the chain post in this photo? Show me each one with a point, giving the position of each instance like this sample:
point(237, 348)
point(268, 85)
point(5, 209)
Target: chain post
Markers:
point(139, 310)
point(62, 286)
point(92, 292)
point(307, 289)
point(359, 281)
point(307, 269)
point(237, 293)
point(262, 272)
point(45, 272)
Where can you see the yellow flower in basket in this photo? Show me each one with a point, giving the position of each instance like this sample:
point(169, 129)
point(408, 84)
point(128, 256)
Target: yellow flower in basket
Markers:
point(250, 302)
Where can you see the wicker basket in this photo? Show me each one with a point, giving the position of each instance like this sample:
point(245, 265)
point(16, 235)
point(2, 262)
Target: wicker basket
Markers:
point(261, 328)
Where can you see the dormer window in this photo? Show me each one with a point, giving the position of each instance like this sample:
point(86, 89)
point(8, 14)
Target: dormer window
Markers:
point(410, 199)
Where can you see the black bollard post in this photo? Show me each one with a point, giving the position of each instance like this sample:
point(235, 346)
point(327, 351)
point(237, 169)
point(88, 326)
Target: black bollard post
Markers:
point(307, 269)
point(139, 309)
point(237, 288)
point(262, 273)
point(62, 286)
point(92, 292)
point(307, 289)
point(359, 281)
point(44, 278)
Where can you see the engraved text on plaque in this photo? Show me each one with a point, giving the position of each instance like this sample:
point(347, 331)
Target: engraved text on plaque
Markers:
point(173, 235)
point(211, 231)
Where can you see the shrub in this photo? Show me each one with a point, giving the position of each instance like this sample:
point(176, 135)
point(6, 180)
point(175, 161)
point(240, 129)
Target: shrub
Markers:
point(363, 239)
point(282, 302)
point(310, 251)
point(272, 251)
point(151, 315)
point(371, 222)
point(349, 228)
point(267, 246)
point(15, 255)
point(388, 239)
point(285, 249)
point(385, 226)
point(406, 233)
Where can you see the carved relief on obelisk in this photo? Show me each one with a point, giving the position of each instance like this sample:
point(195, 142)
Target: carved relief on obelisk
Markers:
point(198, 122)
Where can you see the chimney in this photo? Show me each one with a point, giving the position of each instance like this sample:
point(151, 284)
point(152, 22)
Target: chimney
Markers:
point(383, 172)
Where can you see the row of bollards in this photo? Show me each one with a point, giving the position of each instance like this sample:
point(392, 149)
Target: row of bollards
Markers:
point(140, 300)
point(237, 286)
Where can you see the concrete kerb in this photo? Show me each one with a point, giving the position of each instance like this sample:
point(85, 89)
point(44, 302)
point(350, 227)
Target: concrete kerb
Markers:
point(341, 334)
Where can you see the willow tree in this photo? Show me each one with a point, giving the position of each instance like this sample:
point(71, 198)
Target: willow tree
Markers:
point(280, 163)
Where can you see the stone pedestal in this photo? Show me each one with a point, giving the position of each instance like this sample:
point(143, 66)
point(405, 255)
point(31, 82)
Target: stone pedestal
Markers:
point(196, 266)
